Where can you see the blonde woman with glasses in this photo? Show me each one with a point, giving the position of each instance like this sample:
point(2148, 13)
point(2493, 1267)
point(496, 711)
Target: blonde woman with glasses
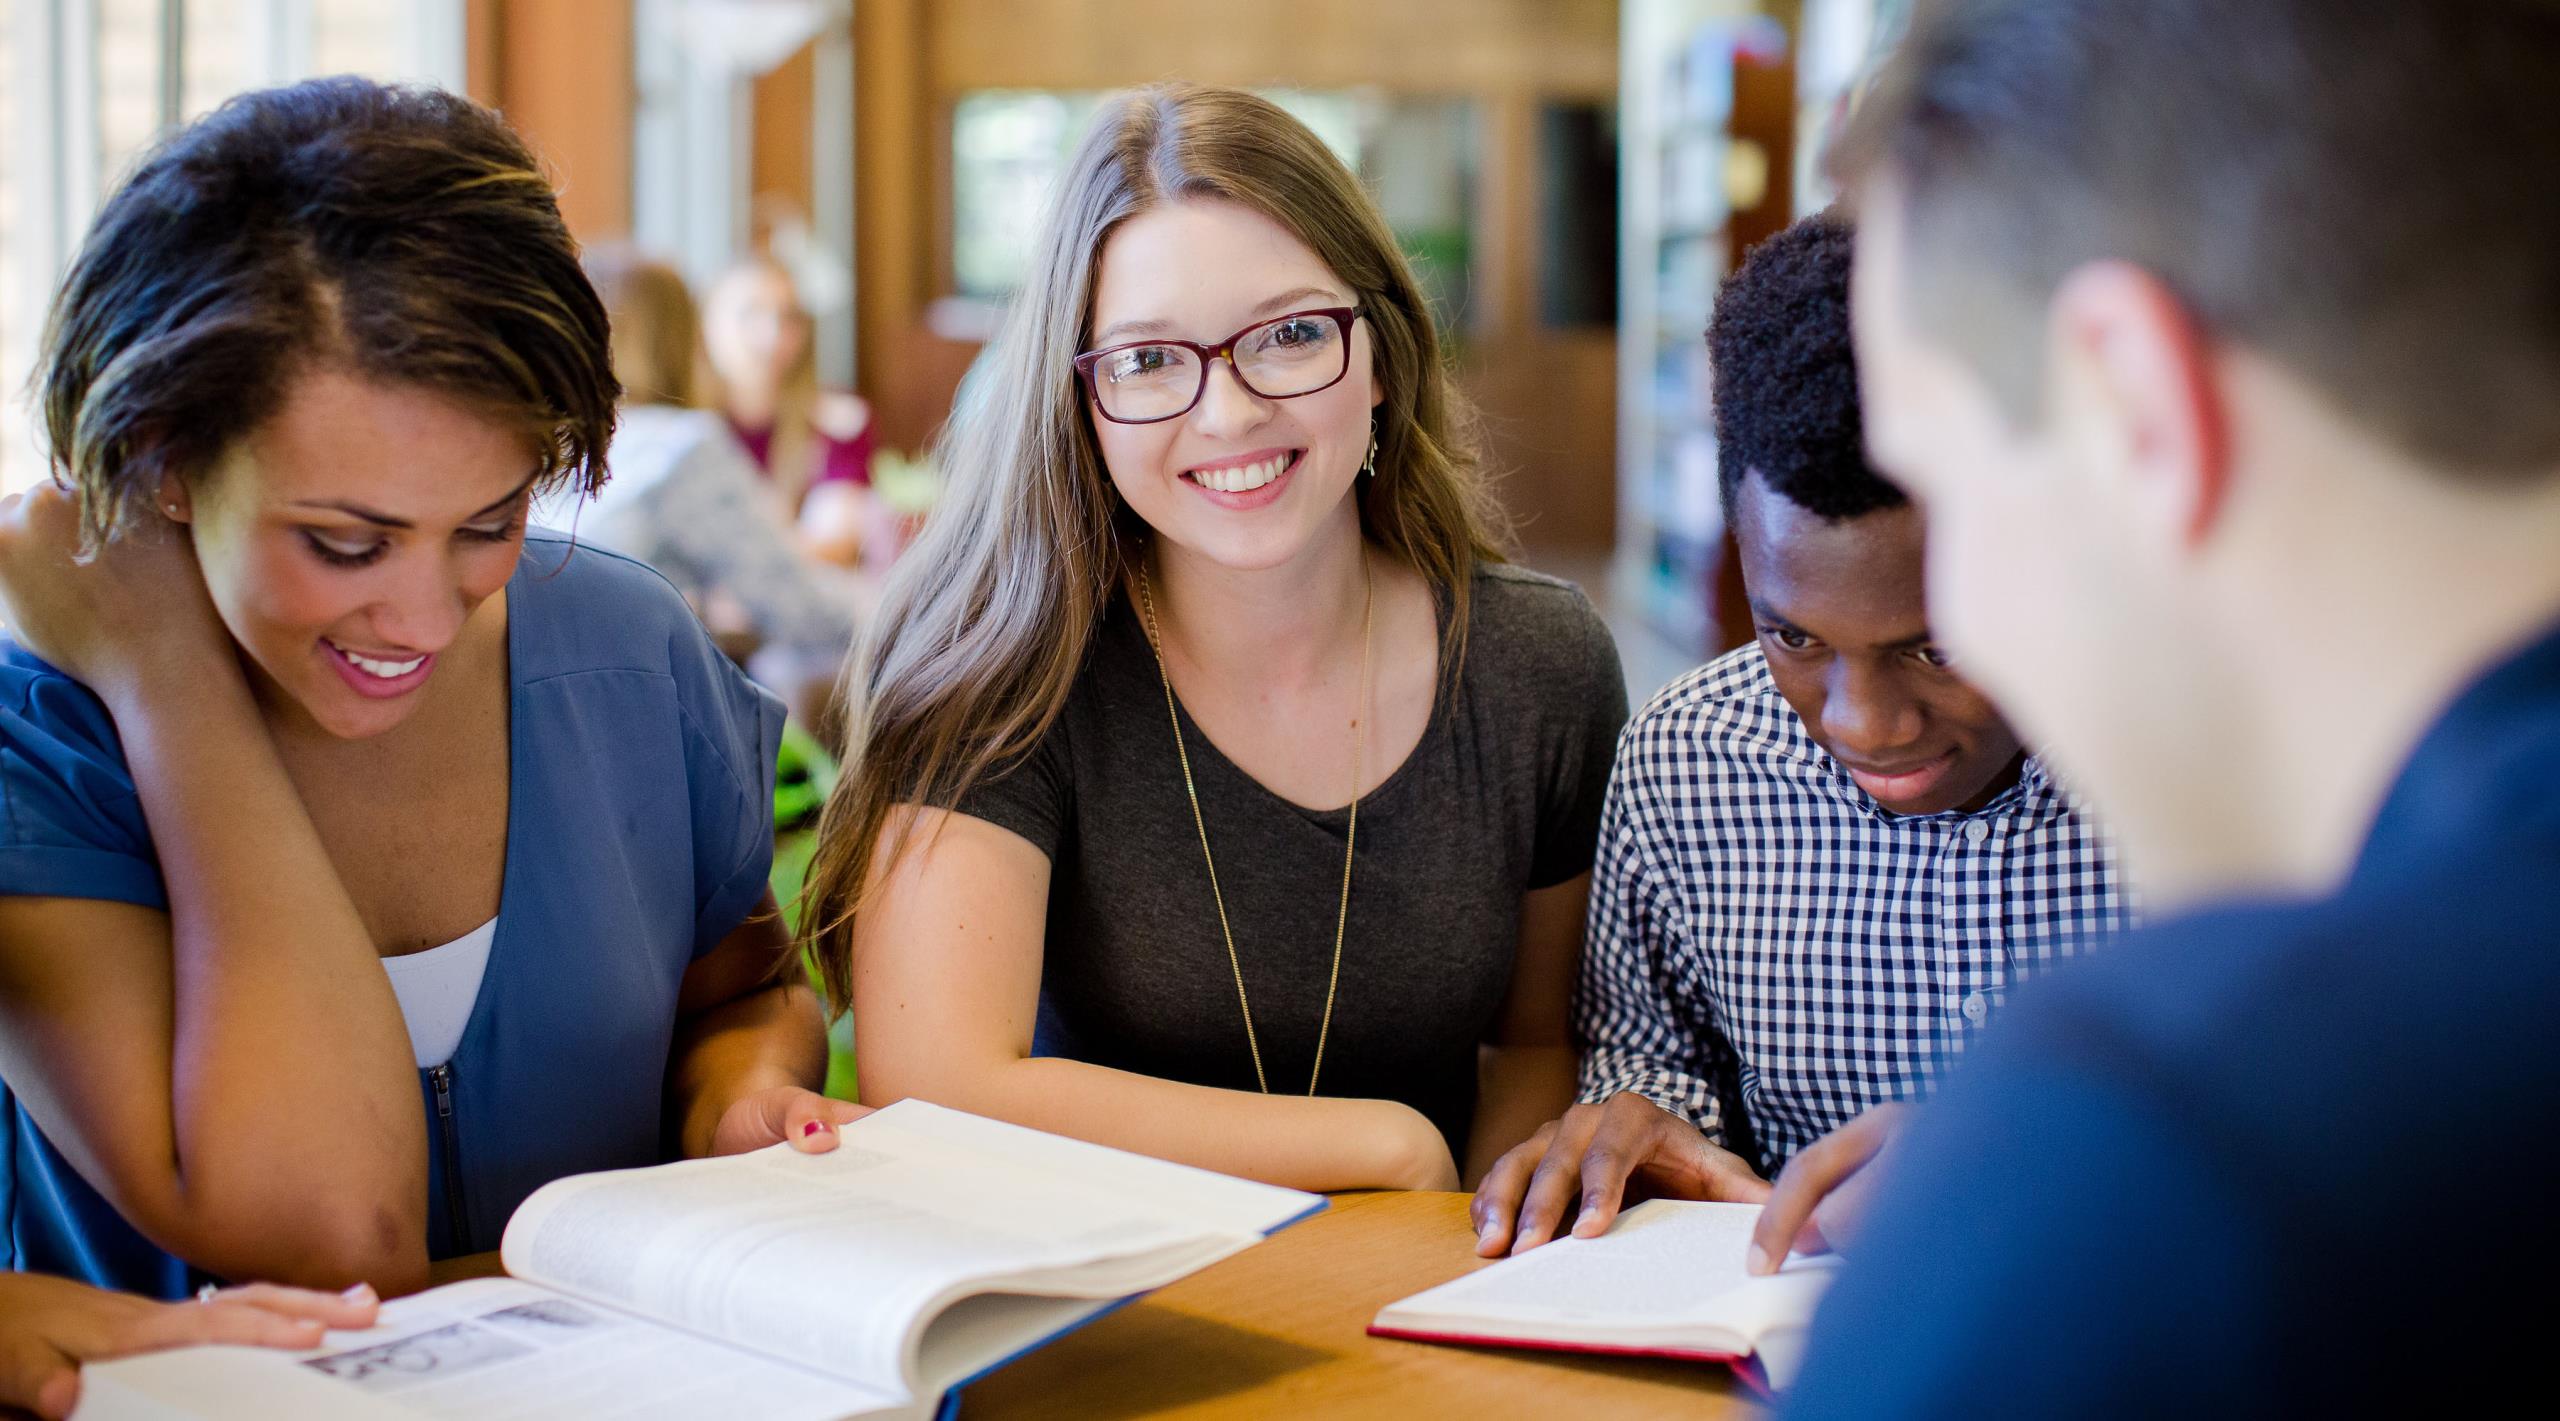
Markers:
point(1215, 789)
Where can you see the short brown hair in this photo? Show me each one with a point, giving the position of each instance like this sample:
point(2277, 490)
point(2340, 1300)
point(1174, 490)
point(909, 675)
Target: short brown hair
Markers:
point(2365, 191)
point(402, 234)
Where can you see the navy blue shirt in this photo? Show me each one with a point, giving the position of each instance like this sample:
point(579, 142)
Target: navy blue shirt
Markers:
point(639, 833)
point(2286, 1158)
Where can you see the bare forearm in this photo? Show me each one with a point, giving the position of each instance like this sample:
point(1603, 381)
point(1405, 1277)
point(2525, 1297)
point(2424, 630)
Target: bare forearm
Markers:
point(297, 1143)
point(1321, 1143)
point(772, 1037)
point(1519, 1088)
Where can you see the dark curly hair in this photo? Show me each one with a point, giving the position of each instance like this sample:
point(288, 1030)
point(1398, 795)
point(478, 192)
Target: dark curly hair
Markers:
point(401, 234)
point(1786, 389)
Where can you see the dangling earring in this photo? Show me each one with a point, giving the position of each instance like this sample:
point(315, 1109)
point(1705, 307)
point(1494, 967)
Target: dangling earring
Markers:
point(1369, 462)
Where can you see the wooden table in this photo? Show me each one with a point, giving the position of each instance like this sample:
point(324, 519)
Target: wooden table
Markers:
point(1280, 1330)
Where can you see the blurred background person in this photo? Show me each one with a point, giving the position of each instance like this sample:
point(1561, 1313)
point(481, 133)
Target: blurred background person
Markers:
point(815, 445)
point(687, 498)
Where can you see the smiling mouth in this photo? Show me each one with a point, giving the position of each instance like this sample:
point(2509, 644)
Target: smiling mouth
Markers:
point(377, 667)
point(1903, 783)
point(1244, 478)
point(1904, 772)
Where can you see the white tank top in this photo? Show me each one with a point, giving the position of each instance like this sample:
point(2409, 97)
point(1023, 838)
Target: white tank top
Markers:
point(437, 988)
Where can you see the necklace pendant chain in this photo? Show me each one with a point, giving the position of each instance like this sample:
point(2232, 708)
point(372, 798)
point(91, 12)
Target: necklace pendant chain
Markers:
point(1351, 832)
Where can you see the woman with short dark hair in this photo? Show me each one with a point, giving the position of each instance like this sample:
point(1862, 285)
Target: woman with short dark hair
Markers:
point(367, 862)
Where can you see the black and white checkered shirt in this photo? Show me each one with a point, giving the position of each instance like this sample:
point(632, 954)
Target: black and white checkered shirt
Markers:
point(1771, 952)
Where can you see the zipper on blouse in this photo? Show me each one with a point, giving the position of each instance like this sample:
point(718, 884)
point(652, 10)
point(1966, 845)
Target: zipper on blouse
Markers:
point(441, 1077)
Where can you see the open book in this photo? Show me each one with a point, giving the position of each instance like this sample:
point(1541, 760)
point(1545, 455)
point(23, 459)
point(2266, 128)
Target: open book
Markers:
point(926, 1250)
point(1666, 1281)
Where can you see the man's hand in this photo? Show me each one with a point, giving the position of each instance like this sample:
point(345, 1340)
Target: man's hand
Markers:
point(1592, 1154)
point(49, 1326)
point(1824, 1193)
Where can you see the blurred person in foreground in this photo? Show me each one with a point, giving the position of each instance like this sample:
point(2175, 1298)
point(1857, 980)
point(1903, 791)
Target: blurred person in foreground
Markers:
point(2218, 343)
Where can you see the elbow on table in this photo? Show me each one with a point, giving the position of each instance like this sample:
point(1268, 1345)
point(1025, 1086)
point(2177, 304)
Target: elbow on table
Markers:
point(311, 1243)
point(347, 1246)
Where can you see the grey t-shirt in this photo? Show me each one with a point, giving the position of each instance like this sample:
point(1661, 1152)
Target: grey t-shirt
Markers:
point(1501, 795)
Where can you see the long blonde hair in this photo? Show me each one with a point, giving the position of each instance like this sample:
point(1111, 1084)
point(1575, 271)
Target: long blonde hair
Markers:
point(985, 624)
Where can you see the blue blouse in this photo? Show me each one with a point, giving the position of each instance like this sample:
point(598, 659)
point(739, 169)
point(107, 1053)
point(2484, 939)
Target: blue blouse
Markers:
point(639, 833)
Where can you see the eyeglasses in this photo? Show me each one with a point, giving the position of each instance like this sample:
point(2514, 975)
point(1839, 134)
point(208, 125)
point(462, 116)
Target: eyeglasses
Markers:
point(1278, 359)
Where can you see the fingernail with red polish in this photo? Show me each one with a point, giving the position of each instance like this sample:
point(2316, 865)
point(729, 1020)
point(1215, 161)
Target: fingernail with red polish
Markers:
point(810, 1129)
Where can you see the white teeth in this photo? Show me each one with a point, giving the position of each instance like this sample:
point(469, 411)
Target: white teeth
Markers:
point(384, 670)
point(1241, 478)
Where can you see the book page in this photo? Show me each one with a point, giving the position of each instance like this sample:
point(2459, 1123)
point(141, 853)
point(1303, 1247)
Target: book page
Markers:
point(838, 1260)
point(490, 1350)
point(974, 1334)
point(1666, 1269)
point(1218, 1202)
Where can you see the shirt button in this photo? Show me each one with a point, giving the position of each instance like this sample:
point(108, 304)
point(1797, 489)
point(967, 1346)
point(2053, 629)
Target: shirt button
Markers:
point(1977, 831)
point(1976, 1008)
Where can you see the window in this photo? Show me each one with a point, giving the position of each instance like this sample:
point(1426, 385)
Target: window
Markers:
point(355, 38)
point(16, 312)
point(87, 85)
point(1416, 155)
point(215, 53)
point(130, 66)
point(1007, 147)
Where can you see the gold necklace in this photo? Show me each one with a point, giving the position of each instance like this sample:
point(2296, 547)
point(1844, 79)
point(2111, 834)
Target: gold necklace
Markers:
point(1350, 837)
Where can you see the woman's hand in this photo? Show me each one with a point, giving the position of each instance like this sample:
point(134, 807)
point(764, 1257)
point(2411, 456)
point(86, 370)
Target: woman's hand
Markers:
point(135, 611)
point(805, 1118)
point(49, 1326)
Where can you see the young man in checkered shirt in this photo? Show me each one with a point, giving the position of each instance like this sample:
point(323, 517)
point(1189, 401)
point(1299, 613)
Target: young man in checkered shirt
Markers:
point(1825, 858)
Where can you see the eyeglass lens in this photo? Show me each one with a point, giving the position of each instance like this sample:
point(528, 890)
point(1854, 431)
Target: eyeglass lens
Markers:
point(1278, 360)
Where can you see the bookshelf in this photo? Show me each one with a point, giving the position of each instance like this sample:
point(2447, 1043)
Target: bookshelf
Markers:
point(1839, 43)
point(1687, 182)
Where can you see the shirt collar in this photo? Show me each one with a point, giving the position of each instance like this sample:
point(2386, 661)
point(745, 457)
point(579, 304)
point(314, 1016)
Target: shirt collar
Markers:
point(2486, 768)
